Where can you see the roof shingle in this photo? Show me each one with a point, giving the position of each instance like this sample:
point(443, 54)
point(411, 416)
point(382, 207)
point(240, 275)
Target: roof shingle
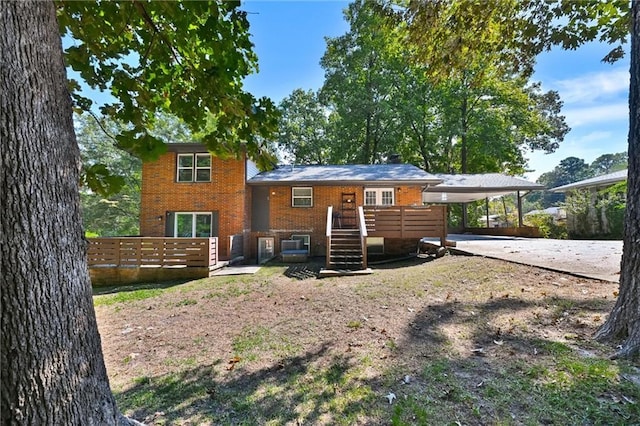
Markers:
point(355, 173)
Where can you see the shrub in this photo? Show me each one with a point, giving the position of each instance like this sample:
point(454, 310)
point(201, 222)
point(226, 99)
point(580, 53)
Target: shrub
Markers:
point(547, 226)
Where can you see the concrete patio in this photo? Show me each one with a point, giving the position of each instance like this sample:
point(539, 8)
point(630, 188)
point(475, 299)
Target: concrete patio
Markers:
point(598, 259)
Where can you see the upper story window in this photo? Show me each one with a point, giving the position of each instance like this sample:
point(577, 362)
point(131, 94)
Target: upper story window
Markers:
point(194, 168)
point(378, 197)
point(302, 197)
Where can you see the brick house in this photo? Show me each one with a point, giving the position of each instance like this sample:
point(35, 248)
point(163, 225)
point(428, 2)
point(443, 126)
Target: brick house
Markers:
point(189, 193)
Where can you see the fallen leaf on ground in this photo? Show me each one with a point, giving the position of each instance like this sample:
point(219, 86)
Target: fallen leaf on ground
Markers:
point(232, 363)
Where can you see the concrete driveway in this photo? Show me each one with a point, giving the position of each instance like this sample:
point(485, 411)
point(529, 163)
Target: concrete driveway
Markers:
point(587, 258)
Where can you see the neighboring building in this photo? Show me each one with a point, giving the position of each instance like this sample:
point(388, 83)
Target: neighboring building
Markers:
point(189, 193)
point(591, 211)
point(595, 183)
point(559, 214)
point(494, 221)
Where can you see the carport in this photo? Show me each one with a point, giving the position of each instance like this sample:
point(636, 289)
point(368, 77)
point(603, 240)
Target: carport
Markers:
point(466, 188)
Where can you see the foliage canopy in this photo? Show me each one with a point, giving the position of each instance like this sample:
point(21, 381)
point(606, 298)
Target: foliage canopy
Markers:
point(187, 58)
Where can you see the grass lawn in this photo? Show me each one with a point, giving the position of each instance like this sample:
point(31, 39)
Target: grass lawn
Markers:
point(457, 340)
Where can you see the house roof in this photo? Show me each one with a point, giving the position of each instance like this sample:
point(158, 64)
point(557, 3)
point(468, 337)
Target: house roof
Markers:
point(558, 212)
point(391, 174)
point(465, 188)
point(598, 181)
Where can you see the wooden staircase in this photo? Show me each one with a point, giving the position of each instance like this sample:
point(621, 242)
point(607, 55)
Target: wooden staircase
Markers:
point(346, 247)
point(345, 252)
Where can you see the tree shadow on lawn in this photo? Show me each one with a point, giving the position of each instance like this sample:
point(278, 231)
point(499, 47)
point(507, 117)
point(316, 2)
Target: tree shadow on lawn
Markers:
point(112, 289)
point(311, 269)
point(508, 373)
point(401, 262)
point(295, 389)
point(488, 374)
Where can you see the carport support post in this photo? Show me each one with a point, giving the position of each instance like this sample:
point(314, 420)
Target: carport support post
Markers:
point(519, 209)
point(486, 205)
point(464, 216)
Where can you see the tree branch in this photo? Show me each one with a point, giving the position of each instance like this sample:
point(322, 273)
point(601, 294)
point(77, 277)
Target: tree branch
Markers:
point(109, 135)
point(153, 26)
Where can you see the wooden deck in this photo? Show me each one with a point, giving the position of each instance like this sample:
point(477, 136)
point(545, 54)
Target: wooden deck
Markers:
point(407, 222)
point(145, 251)
point(125, 260)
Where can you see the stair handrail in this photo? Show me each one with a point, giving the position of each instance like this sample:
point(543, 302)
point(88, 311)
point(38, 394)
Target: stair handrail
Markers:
point(363, 236)
point(328, 233)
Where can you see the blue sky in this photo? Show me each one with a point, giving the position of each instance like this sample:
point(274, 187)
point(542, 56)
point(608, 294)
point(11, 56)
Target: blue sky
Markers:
point(289, 38)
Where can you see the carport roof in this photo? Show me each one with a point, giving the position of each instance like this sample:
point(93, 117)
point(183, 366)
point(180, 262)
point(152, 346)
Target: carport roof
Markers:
point(598, 181)
point(464, 188)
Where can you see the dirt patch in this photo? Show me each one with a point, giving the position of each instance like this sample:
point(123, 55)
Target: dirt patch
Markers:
point(292, 345)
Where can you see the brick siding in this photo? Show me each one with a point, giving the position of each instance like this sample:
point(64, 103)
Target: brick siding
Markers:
point(226, 193)
point(286, 220)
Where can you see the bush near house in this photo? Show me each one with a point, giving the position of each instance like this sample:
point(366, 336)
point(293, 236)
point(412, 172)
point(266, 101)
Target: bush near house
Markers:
point(596, 214)
point(547, 226)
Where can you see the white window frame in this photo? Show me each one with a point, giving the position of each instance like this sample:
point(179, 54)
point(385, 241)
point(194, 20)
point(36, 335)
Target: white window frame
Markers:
point(194, 168)
point(193, 223)
point(306, 241)
point(378, 195)
point(295, 197)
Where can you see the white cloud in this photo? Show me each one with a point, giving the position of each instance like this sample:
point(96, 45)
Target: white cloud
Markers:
point(597, 136)
point(592, 87)
point(608, 113)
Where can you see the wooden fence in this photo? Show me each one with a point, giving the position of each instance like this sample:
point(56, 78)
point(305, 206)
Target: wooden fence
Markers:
point(149, 251)
point(407, 221)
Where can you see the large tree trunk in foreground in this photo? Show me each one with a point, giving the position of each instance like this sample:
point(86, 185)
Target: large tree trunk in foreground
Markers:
point(624, 320)
point(53, 371)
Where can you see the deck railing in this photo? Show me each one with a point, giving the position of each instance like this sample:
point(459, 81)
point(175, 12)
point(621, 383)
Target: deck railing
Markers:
point(407, 221)
point(362, 225)
point(150, 251)
point(328, 235)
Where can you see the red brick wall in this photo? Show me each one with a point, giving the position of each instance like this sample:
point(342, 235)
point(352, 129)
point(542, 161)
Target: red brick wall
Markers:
point(226, 193)
point(286, 220)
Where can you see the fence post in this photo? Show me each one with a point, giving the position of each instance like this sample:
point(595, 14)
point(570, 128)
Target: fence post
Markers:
point(118, 244)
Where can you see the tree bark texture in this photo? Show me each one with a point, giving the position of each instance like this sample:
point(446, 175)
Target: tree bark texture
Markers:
point(624, 320)
point(53, 371)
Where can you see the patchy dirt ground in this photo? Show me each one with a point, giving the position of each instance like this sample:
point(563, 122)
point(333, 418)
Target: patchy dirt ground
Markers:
point(270, 336)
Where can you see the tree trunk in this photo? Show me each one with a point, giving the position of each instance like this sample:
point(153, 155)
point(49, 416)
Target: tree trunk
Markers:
point(53, 370)
point(624, 320)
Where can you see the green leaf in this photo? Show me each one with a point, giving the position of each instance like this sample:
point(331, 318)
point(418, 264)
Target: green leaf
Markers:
point(100, 180)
